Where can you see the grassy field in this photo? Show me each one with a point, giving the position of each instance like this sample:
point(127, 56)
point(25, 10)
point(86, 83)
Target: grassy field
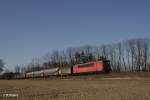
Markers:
point(110, 87)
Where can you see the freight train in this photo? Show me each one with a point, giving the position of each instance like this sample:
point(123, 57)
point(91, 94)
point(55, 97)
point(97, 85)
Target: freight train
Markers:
point(90, 67)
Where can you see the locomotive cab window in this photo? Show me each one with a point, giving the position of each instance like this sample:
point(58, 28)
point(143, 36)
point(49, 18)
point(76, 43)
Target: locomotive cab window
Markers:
point(107, 62)
point(86, 65)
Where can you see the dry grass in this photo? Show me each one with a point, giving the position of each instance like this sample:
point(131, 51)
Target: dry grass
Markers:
point(109, 88)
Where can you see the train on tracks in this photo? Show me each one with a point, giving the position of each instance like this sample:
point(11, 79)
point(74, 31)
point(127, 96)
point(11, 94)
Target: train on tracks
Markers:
point(91, 67)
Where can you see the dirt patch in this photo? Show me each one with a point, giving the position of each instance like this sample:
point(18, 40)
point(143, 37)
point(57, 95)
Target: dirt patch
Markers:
point(110, 88)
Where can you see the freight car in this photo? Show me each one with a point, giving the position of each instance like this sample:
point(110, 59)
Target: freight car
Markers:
point(39, 74)
point(96, 66)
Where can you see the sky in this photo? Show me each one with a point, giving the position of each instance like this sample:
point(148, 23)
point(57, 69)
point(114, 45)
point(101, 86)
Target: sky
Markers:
point(32, 28)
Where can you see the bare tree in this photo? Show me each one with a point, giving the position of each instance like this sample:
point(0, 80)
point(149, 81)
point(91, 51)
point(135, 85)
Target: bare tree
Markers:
point(131, 44)
point(112, 56)
point(97, 52)
point(138, 52)
point(127, 49)
point(70, 56)
point(17, 69)
point(145, 52)
point(119, 47)
point(23, 69)
point(1, 65)
point(104, 51)
point(88, 49)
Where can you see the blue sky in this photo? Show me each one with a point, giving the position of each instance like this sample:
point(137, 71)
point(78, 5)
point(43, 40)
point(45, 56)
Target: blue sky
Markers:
point(32, 28)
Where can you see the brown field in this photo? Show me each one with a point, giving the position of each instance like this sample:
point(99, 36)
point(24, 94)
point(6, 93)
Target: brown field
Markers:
point(99, 87)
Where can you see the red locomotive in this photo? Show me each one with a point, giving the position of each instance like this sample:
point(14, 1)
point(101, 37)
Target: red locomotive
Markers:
point(101, 65)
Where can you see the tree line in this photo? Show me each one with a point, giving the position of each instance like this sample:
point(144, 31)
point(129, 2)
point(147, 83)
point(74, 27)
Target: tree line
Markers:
point(126, 56)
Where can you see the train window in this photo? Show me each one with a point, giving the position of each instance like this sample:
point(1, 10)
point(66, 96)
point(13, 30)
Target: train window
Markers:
point(107, 62)
point(86, 65)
